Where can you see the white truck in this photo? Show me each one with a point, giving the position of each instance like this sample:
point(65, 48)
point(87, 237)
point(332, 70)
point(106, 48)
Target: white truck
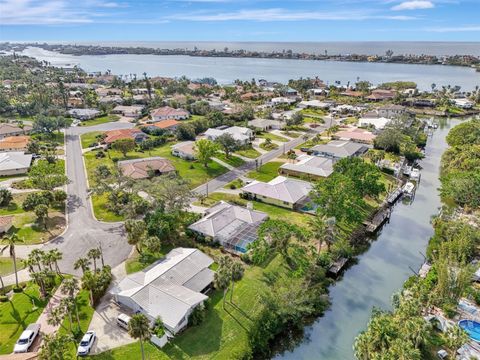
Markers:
point(27, 338)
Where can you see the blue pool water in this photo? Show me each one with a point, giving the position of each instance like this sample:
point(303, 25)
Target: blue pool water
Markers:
point(472, 328)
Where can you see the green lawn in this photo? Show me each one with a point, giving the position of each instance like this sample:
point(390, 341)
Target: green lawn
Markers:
point(138, 262)
point(85, 313)
point(26, 227)
point(6, 265)
point(3, 178)
point(274, 212)
point(272, 137)
point(57, 137)
point(250, 153)
point(266, 172)
point(291, 134)
point(15, 206)
point(100, 120)
point(223, 334)
point(233, 160)
point(89, 138)
point(268, 147)
point(17, 314)
point(193, 171)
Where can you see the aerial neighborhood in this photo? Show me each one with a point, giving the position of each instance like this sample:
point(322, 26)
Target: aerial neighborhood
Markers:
point(183, 218)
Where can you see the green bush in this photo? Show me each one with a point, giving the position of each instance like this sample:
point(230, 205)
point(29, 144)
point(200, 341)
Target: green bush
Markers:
point(18, 289)
point(3, 298)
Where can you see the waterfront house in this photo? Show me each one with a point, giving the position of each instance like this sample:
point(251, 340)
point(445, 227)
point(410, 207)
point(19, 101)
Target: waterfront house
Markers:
point(146, 168)
point(14, 143)
point(84, 114)
point(169, 289)
point(381, 94)
point(281, 191)
point(266, 124)
point(184, 150)
point(282, 100)
point(134, 134)
point(463, 103)
point(133, 111)
point(306, 166)
point(339, 149)
point(241, 134)
point(7, 130)
point(378, 123)
point(232, 226)
point(14, 163)
point(167, 112)
point(314, 104)
point(355, 134)
point(391, 111)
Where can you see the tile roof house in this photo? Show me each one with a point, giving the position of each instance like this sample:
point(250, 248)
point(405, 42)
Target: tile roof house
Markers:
point(14, 143)
point(381, 94)
point(7, 129)
point(6, 223)
point(339, 149)
point(391, 111)
point(13, 163)
point(84, 114)
point(114, 135)
point(378, 123)
point(171, 288)
point(184, 150)
point(356, 135)
point(306, 166)
point(232, 226)
point(281, 191)
point(168, 112)
point(241, 134)
point(133, 111)
point(169, 124)
point(145, 168)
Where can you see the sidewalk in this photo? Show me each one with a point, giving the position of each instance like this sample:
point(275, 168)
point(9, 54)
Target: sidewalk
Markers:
point(43, 318)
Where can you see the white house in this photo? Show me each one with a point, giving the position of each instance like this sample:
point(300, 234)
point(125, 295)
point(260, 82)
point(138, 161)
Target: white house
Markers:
point(391, 111)
point(282, 100)
point(377, 122)
point(266, 124)
point(171, 288)
point(14, 163)
point(463, 103)
point(306, 166)
point(184, 150)
point(133, 111)
point(168, 112)
point(242, 134)
point(84, 114)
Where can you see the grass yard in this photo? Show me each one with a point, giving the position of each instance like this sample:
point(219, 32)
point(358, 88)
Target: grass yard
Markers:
point(26, 227)
point(15, 206)
point(268, 147)
point(89, 138)
point(291, 134)
point(274, 212)
point(233, 160)
point(138, 262)
point(56, 137)
point(6, 266)
point(100, 120)
point(235, 184)
point(250, 153)
point(266, 172)
point(193, 171)
point(223, 334)
point(85, 313)
point(272, 137)
point(4, 178)
point(15, 315)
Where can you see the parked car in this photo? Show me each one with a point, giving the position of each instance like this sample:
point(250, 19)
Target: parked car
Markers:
point(27, 338)
point(123, 320)
point(86, 344)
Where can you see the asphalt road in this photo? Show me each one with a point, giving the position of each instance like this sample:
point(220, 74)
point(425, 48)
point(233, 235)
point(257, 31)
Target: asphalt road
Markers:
point(84, 232)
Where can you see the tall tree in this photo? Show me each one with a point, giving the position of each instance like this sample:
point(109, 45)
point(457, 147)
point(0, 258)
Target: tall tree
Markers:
point(82, 263)
point(205, 150)
point(139, 328)
point(124, 146)
point(12, 240)
point(94, 254)
point(236, 270)
point(227, 143)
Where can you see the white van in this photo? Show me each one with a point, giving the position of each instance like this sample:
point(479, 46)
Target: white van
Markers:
point(123, 320)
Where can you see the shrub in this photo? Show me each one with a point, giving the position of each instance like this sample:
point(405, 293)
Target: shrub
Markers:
point(3, 298)
point(18, 289)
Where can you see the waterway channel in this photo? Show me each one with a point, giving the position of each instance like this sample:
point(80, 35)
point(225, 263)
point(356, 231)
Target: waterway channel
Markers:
point(382, 269)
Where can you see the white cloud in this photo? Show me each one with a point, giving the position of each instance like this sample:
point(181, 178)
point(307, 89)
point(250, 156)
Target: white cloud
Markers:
point(414, 5)
point(471, 28)
point(278, 14)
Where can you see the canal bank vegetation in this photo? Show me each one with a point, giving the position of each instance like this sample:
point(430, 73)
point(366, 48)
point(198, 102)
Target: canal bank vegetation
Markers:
point(445, 282)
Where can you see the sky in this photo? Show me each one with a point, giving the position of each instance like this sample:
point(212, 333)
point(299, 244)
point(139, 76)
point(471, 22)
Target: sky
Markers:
point(240, 20)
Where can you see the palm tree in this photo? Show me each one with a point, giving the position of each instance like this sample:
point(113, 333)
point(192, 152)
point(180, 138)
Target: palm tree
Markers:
point(12, 240)
point(55, 318)
point(47, 260)
point(94, 254)
point(29, 263)
point(3, 285)
point(319, 228)
point(222, 281)
point(82, 263)
point(237, 271)
point(39, 278)
point(89, 282)
point(36, 257)
point(330, 231)
point(67, 305)
point(139, 328)
point(70, 286)
point(55, 257)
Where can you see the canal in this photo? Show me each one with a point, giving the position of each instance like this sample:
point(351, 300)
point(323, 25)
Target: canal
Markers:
point(382, 269)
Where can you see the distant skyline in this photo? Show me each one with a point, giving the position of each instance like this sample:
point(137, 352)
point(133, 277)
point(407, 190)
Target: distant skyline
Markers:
point(240, 20)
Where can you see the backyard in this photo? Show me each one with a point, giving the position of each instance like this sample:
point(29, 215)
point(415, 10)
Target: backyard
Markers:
point(100, 120)
point(15, 315)
point(266, 172)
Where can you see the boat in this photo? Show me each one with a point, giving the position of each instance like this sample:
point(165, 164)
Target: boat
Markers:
point(408, 189)
point(415, 174)
point(407, 170)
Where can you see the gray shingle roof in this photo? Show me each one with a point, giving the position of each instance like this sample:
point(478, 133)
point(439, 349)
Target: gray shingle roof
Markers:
point(280, 188)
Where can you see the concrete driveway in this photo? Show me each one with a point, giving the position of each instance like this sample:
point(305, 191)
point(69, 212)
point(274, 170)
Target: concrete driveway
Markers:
point(109, 334)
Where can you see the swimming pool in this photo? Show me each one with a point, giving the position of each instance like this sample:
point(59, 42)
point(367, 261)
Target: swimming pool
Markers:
point(472, 328)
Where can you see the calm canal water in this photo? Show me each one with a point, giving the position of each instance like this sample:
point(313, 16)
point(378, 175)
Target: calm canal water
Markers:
point(226, 70)
point(381, 270)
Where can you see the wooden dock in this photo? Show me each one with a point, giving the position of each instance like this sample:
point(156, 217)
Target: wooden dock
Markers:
point(394, 196)
point(337, 266)
point(378, 220)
